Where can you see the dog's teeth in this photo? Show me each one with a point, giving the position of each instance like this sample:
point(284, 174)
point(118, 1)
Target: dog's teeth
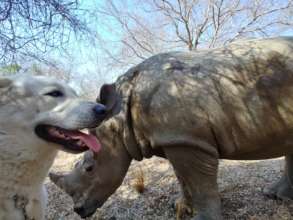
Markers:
point(85, 131)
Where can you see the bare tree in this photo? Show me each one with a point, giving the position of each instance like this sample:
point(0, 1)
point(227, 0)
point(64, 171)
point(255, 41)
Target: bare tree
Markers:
point(34, 27)
point(147, 27)
point(57, 71)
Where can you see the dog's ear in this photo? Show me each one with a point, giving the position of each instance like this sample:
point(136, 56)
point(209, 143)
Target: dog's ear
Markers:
point(110, 98)
point(4, 82)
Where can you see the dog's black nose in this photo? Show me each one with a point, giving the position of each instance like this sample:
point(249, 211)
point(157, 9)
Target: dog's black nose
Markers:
point(100, 109)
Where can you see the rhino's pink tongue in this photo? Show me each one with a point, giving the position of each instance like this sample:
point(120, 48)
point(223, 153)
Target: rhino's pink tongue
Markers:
point(88, 139)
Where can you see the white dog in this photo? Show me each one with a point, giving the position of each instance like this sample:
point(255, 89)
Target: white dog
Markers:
point(38, 116)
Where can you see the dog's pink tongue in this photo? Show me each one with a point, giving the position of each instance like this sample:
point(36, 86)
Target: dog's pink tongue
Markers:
point(90, 140)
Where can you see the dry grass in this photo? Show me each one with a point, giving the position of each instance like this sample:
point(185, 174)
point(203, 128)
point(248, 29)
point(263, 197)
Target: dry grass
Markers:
point(138, 180)
point(240, 185)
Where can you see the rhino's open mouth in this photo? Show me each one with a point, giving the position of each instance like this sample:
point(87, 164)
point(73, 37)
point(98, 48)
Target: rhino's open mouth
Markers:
point(74, 141)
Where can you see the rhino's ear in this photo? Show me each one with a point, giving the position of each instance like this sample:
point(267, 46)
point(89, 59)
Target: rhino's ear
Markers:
point(5, 82)
point(110, 98)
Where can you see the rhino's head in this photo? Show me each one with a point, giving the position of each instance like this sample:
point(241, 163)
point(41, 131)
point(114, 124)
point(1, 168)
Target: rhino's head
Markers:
point(97, 176)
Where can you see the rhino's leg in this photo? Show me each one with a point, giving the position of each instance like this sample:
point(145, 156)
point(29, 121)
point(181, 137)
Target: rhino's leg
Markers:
point(198, 171)
point(183, 203)
point(283, 189)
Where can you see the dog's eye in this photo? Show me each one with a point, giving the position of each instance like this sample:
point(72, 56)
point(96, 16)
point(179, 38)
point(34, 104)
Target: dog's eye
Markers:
point(55, 93)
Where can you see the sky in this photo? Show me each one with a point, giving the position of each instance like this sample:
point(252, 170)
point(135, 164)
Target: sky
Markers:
point(87, 58)
point(86, 55)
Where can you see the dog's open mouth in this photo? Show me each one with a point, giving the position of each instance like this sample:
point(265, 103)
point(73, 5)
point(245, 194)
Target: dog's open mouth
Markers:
point(72, 140)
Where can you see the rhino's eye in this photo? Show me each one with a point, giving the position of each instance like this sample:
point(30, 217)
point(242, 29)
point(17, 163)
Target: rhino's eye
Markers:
point(89, 168)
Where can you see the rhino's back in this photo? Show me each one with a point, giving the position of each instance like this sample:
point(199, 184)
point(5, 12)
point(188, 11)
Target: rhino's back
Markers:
point(237, 98)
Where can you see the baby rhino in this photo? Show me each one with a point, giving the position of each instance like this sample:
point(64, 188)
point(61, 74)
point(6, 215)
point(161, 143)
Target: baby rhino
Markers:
point(193, 108)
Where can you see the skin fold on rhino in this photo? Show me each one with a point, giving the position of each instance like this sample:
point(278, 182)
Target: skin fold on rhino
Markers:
point(193, 108)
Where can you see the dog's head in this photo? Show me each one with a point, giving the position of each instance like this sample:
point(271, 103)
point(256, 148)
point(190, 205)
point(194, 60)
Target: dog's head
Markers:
point(97, 176)
point(38, 111)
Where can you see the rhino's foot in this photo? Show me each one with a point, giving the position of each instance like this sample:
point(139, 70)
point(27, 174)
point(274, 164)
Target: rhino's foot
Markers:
point(183, 207)
point(282, 189)
point(205, 217)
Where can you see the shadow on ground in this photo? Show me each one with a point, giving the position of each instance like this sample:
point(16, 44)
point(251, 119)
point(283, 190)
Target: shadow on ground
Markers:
point(240, 184)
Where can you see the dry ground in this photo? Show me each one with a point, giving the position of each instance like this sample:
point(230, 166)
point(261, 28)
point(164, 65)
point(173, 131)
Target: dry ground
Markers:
point(240, 183)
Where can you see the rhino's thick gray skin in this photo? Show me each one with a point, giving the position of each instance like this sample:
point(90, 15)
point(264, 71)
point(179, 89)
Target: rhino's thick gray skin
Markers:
point(234, 102)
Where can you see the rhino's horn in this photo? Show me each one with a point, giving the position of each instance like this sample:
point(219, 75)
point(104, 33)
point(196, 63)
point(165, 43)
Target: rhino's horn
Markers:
point(58, 179)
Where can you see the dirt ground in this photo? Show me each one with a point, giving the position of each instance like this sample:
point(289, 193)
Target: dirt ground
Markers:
point(240, 183)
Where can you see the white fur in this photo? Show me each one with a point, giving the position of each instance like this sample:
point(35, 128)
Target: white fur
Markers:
point(25, 158)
